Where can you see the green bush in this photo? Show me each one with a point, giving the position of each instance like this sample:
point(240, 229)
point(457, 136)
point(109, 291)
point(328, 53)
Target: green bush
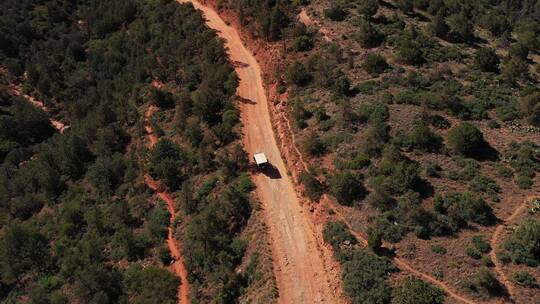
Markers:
point(481, 244)
point(515, 69)
point(337, 234)
point(298, 74)
point(364, 277)
point(374, 64)
point(416, 291)
point(313, 189)
point(529, 107)
point(303, 43)
point(367, 35)
point(368, 8)
point(153, 283)
point(524, 243)
point(438, 26)
point(410, 52)
point(335, 13)
point(438, 249)
point(462, 207)
point(466, 139)
point(473, 253)
point(487, 60)
point(313, 145)
point(486, 281)
point(346, 187)
point(461, 27)
point(525, 279)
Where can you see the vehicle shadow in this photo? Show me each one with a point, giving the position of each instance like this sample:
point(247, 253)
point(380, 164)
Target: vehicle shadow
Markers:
point(271, 171)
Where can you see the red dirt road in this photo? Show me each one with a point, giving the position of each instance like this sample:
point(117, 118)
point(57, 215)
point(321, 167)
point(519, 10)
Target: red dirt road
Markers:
point(298, 260)
point(178, 259)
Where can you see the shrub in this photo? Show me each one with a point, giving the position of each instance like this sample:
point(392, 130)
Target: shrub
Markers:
point(466, 139)
point(487, 60)
point(342, 86)
point(486, 261)
point(367, 35)
point(462, 207)
point(529, 107)
point(423, 138)
point(438, 249)
point(518, 50)
point(416, 291)
point(313, 188)
point(405, 6)
point(481, 244)
point(504, 172)
point(364, 276)
point(473, 253)
point(410, 52)
point(374, 64)
point(374, 240)
point(485, 280)
point(336, 234)
point(150, 283)
point(461, 27)
point(303, 43)
point(524, 243)
point(335, 13)
point(438, 26)
point(368, 8)
point(515, 69)
point(346, 187)
point(374, 112)
point(298, 74)
point(524, 278)
point(313, 145)
point(484, 184)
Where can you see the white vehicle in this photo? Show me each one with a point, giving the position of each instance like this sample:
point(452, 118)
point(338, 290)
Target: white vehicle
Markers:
point(260, 160)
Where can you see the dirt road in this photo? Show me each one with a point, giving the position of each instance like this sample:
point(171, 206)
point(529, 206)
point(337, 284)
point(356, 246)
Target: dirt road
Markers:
point(178, 260)
point(298, 261)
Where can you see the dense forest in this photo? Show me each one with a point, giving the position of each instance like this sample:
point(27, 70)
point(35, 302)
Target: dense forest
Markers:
point(77, 223)
point(421, 120)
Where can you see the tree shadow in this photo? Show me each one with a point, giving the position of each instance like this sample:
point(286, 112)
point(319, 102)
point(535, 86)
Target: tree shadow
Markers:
point(486, 153)
point(239, 64)
point(245, 100)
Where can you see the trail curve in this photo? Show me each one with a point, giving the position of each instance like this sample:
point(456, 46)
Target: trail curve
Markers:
point(177, 264)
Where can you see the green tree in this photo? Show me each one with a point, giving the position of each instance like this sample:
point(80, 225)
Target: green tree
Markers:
point(466, 139)
point(21, 250)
